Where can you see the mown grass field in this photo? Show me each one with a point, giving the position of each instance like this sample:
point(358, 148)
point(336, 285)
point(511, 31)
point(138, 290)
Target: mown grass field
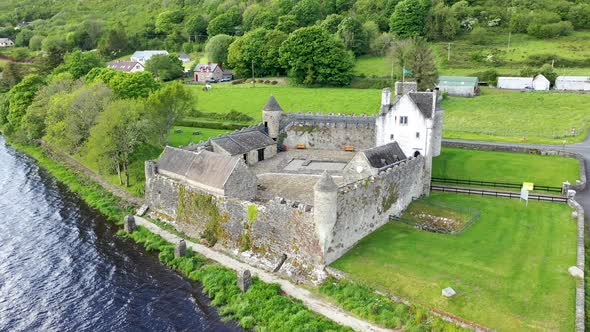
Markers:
point(246, 99)
point(521, 47)
point(186, 136)
point(508, 116)
point(509, 268)
point(505, 167)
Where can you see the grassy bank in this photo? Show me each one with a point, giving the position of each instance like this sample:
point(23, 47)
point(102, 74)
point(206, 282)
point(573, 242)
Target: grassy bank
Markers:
point(505, 167)
point(507, 116)
point(509, 268)
point(243, 98)
point(185, 137)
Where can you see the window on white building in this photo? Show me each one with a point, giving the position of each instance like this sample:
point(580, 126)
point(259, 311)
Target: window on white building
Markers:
point(417, 134)
point(391, 137)
point(403, 120)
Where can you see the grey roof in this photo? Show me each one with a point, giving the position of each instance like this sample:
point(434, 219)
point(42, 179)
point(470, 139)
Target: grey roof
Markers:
point(207, 67)
point(424, 102)
point(272, 105)
point(458, 80)
point(205, 167)
point(5, 40)
point(325, 183)
point(183, 56)
point(124, 65)
point(146, 55)
point(573, 78)
point(239, 143)
point(384, 155)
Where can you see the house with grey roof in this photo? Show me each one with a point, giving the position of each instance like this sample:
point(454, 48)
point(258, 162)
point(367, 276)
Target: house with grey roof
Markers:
point(252, 146)
point(461, 86)
point(6, 42)
point(369, 162)
point(214, 71)
point(126, 66)
point(143, 56)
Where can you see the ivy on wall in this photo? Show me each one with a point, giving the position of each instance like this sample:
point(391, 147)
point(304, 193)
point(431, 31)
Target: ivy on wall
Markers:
point(197, 207)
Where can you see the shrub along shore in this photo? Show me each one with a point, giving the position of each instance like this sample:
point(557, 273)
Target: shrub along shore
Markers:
point(262, 307)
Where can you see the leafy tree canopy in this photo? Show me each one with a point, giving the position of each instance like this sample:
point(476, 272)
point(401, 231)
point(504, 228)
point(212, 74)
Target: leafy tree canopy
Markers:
point(165, 67)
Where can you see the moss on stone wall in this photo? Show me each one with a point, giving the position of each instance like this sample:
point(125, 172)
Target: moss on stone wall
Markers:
point(252, 212)
point(194, 207)
point(391, 198)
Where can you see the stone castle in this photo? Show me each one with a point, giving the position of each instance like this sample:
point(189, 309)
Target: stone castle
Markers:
point(297, 191)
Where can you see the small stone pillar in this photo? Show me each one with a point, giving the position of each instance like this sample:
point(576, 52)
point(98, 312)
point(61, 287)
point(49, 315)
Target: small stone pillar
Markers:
point(565, 186)
point(129, 223)
point(244, 280)
point(180, 249)
point(571, 194)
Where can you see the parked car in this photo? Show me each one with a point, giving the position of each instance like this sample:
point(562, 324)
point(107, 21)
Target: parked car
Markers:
point(225, 79)
point(210, 80)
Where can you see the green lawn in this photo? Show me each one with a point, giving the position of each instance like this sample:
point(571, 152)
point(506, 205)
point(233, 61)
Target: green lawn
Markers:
point(510, 116)
point(186, 137)
point(505, 167)
point(509, 268)
point(243, 98)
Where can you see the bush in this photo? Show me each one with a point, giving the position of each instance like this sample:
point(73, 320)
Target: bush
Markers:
point(489, 76)
point(360, 82)
point(240, 81)
point(538, 60)
point(274, 82)
point(551, 30)
point(479, 36)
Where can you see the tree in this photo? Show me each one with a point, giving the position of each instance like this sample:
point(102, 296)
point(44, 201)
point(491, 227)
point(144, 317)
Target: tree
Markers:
point(217, 48)
point(11, 75)
point(408, 18)
point(196, 25)
point(223, 24)
point(119, 130)
point(257, 16)
point(415, 55)
point(165, 67)
point(114, 42)
point(36, 42)
point(167, 21)
point(307, 12)
point(259, 47)
point(441, 23)
point(21, 96)
point(331, 22)
point(71, 115)
point(165, 106)
point(579, 15)
point(23, 37)
point(132, 85)
point(355, 38)
point(287, 23)
point(314, 56)
point(79, 63)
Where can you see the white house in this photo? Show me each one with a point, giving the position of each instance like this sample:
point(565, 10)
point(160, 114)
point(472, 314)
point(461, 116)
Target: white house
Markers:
point(572, 83)
point(6, 42)
point(143, 56)
point(126, 66)
point(541, 83)
point(515, 83)
point(409, 119)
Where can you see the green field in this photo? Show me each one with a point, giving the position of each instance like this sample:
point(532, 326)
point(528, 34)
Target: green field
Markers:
point(514, 59)
point(246, 99)
point(505, 167)
point(507, 116)
point(509, 268)
point(186, 136)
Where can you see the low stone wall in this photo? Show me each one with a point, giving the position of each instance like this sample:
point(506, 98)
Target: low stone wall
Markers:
point(580, 263)
point(367, 204)
point(578, 186)
point(257, 232)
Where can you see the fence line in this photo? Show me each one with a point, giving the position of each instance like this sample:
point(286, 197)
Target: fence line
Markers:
point(481, 192)
point(493, 184)
point(555, 134)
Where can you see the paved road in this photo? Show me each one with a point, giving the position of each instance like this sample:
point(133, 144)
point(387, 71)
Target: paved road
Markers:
point(583, 148)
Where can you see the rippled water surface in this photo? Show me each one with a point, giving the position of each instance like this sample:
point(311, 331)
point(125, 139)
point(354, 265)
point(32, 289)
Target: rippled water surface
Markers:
point(62, 267)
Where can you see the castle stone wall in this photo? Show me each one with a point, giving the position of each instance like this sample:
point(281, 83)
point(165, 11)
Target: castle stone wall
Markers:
point(330, 136)
point(367, 204)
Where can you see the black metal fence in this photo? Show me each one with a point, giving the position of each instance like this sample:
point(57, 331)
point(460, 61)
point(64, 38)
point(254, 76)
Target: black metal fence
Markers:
point(483, 192)
point(493, 184)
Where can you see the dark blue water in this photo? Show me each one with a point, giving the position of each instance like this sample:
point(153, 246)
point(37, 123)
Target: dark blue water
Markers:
point(63, 268)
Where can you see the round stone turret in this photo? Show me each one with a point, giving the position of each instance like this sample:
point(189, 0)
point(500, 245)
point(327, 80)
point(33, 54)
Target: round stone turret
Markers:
point(325, 207)
point(271, 117)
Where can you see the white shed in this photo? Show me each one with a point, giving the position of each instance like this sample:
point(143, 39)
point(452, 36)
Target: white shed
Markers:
point(541, 83)
point(515, 83)
point(573, 83)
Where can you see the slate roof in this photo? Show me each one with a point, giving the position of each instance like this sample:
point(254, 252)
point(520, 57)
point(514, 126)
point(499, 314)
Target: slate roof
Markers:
point(146, 55)
point(573, 78)
point(207, 67)
point(5, 40)
point(272, 105)
point(424, 102)
point(384, 155)
point(205, 167)
point(124, 65)
point(239, 143)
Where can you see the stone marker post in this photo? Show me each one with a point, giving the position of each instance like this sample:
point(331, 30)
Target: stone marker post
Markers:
point(180, 249)
point(565, 186)
point(244, 280)
point(129, 223)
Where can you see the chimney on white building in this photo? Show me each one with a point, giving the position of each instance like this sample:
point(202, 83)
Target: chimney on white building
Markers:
point(402, 88)
point(386, 97)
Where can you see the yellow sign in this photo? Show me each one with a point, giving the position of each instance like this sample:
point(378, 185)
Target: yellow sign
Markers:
point(528, 186)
